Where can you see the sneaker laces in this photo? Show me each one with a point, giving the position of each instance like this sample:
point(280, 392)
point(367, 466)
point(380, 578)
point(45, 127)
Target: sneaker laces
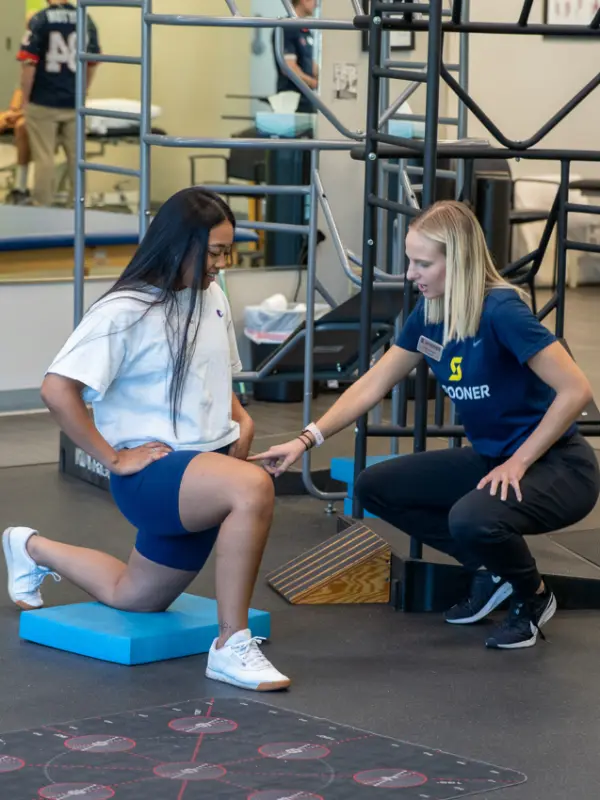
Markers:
point(250, 652)
point(45, 572)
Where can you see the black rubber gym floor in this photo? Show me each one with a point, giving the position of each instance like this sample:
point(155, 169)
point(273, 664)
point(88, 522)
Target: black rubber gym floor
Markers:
point(407, 677)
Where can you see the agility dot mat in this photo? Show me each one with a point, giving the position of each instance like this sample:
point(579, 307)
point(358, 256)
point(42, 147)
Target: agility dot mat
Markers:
point(230, 749)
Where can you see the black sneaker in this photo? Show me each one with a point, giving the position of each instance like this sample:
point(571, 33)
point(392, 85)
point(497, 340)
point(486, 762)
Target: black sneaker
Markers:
point(16, 197)
point(487, 592)
point(524, 621)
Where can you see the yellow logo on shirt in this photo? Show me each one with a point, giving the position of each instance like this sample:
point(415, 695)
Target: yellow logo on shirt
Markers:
point(456, 369)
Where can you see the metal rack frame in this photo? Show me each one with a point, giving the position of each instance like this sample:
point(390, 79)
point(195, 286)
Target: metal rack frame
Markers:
point(314, 190)
point(380, 147)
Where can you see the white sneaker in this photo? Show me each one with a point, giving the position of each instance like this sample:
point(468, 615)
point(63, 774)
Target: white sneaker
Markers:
point(241, 663)
point(24, 576)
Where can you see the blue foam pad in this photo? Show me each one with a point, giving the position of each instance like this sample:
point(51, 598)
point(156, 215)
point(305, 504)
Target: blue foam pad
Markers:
point(342, 469)
point(187, 628)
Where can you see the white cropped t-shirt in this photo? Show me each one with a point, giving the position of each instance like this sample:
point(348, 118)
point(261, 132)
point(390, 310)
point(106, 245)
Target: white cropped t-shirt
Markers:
point(120, 351)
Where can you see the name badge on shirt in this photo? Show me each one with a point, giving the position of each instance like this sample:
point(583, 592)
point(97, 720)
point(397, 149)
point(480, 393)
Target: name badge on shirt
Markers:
point(429, 348)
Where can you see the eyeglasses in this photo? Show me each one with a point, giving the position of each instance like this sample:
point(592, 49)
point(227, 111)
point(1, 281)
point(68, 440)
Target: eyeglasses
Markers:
point(215, 253)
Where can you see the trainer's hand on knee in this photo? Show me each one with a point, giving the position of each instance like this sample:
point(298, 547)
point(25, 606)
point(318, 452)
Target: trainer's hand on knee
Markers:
point(505, 475)
point(277, 459)
point(138, 458)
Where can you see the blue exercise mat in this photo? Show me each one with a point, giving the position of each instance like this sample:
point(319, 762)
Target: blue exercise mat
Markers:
point(187, 628)
point(30, 228)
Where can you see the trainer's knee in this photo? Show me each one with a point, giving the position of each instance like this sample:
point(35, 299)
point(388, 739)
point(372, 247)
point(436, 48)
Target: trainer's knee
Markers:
point(255, 491)
point(471, 522)
point(366, 486)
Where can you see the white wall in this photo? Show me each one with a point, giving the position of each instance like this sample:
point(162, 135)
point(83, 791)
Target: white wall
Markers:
point(521, 81)
point(38, 318)
point(13, 21)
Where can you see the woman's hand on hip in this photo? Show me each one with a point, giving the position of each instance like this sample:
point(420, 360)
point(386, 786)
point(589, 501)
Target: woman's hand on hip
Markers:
point(277, 459)
point(138, 458)
point(504, 476)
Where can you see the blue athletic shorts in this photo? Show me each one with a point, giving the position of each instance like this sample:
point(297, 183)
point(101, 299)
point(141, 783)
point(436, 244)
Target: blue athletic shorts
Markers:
point(149, 500)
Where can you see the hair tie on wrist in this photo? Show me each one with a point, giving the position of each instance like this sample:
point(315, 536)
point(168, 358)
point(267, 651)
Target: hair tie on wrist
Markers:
point(303, 439)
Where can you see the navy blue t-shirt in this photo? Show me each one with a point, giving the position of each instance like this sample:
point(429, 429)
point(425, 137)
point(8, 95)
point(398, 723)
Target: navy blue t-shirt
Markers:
point(50, 43)
point(297, 42)
point(498, 396)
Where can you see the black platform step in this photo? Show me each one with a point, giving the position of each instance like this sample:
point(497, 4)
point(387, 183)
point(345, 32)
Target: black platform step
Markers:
point(569, 561)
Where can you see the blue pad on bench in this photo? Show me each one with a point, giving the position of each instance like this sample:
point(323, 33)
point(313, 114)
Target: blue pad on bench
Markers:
point(187, 628)
point(342, 469)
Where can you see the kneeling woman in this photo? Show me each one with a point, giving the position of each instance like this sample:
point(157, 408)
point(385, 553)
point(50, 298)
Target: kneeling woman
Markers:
point(518, 392)
point(155, 357)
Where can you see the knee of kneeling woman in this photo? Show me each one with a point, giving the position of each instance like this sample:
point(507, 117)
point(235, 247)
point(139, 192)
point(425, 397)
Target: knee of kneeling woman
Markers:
point(138, 605)
point(256, 492)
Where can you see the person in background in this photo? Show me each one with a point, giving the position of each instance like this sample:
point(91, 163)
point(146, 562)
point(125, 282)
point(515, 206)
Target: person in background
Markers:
point(48, 56)
point(13, 121)
point(298, 51)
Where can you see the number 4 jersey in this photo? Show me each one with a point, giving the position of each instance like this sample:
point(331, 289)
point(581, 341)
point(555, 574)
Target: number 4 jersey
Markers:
point(50, 44)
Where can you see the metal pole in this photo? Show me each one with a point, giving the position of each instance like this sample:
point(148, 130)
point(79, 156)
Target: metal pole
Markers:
point(561, 236)
point(311, 287)
point(382, 215)
point(311, 274)
point(463, 79)
point(434, 60)
point(399, 392)
point(79, 189)
point(145, 120)
point(461, 172)
point(369, 230)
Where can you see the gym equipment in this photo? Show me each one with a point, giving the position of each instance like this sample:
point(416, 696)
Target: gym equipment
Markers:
point(351, 567)
point(323, 353)
point(188, 627)
point(380, 147)
point(336, 339)
point(342, 469)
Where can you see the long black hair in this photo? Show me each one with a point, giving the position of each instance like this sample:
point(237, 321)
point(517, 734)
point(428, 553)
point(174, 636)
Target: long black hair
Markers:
point(177, 238)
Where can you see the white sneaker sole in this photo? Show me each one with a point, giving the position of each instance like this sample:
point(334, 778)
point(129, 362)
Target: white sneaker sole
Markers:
point(261, 687)
point(499, 596)
point(9, 562)
point(546, 617)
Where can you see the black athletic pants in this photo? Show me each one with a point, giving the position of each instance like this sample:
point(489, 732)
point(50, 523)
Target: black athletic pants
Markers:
point(433, 497)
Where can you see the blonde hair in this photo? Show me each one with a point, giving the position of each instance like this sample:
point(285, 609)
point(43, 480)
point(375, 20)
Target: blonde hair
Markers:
point(470, 269)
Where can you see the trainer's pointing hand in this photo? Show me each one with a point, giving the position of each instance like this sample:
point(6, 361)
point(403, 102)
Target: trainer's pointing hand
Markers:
point(277, 459)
